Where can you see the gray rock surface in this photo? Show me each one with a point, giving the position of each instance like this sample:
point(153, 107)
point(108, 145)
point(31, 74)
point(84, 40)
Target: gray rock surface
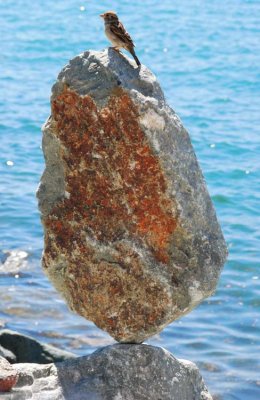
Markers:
point(131, 236)
point(13, 262)
point(118, 372)
point(20, 348)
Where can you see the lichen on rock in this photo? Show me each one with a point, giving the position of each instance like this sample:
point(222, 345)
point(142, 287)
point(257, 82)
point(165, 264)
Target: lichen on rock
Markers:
point(131, 236)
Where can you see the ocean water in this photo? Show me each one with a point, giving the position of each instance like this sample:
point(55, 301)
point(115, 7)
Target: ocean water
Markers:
point(206, 57)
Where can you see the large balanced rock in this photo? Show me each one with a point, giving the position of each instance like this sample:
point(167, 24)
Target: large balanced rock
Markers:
point(131, 236)
point(119, 372)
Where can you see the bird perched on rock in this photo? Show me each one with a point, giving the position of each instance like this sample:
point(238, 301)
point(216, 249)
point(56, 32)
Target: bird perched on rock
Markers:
point(118, 36)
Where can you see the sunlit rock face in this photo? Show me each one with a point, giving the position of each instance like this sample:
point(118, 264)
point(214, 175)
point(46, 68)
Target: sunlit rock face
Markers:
point(131, 237)
point(118, 372)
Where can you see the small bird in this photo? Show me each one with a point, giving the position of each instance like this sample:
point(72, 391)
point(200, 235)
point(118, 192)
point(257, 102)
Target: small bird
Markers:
point(118, 36)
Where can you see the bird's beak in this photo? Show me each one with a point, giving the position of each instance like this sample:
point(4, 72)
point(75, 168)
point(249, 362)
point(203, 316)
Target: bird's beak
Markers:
point(102, 15)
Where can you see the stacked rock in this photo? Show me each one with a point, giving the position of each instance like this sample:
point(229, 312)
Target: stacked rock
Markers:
point(131, 237)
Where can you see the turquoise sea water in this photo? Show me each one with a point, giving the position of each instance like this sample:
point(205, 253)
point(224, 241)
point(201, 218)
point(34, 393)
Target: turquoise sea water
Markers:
point(206, 57)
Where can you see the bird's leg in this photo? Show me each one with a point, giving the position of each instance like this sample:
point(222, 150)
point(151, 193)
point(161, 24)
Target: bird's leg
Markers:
point(117, 49)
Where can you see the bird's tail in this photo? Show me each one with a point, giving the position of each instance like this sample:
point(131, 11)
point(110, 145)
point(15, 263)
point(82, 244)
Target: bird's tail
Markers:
point(135, 56)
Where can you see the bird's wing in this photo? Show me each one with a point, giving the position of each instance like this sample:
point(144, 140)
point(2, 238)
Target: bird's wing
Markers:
point(119, 31)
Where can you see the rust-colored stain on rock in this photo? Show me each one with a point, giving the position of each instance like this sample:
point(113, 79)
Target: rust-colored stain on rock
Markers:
point(121, 300)
point(115, 181)
point(117, 190)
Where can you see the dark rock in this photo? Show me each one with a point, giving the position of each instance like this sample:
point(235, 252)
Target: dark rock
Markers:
point(28, 350)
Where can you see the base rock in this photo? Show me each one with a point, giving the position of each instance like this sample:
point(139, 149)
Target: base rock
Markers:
point(118, 372)
point(131, 236)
